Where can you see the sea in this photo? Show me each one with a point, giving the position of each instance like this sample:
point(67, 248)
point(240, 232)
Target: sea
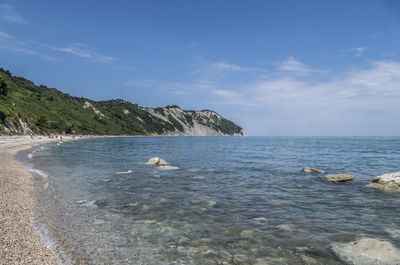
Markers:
point(233, 200)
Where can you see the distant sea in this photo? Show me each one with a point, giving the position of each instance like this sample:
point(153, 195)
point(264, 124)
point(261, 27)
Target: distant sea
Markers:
point(234, 200)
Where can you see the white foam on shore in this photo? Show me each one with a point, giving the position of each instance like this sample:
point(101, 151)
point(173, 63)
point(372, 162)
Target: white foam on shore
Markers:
point(47, 240)
point(38, 172)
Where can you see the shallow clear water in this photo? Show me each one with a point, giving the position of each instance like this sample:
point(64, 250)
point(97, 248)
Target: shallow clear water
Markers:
point(234, 200)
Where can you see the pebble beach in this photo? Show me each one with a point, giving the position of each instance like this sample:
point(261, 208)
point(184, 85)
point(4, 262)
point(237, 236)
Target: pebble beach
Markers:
point(19, 242)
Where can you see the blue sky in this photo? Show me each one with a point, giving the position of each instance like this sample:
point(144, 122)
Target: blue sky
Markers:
point(274, 67)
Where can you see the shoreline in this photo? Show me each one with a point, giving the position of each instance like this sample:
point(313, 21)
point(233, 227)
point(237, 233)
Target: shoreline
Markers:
point(19, 240)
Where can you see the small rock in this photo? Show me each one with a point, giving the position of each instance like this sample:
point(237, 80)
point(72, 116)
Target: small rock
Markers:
point(286, 227)
point(368, 251)
point(171, 245)
point(260, 220)
point(212, 203)
point(308, 260)
point(387, 182)
point(187, 250)
point(313, 170)
point(86, 203)
point(225, 254)
point(208, 253)
point(247, 234)
point(98, 222)
point(339, 177)
point(183, 240)
point(239, 258)
point(149, 221)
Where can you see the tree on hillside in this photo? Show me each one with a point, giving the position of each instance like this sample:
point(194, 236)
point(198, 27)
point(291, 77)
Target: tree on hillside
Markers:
point(42, 123)
point(3, 86)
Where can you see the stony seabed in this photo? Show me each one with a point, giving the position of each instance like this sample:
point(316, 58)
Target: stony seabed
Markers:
point(228, 200)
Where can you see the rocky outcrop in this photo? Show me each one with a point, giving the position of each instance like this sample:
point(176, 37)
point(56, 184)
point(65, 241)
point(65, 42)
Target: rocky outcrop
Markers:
point(160, 163)
point(156, 161)
point(368, 251)
point(88, 105)
point(339, 178)
point(313, 170)
point(387, 182)
point(195, 123)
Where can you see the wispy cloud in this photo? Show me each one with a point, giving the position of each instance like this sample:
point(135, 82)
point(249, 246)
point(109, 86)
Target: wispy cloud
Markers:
point(10, 14)
point(360, 51)
point(219, 67)
point(376, 35)
point(142, 83)
point(12, 44)
point(29, 51)
point(4, 35)
point(376, 87)
point(297, 68)
point(50, 52)
point(178, 88)
point(223, 66)
point(82, 51)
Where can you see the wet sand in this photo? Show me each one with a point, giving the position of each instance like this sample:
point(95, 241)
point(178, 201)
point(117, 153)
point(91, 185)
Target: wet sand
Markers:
point(18, 240)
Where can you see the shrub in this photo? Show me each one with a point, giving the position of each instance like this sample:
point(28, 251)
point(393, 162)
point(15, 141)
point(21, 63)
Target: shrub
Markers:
point(3, 86)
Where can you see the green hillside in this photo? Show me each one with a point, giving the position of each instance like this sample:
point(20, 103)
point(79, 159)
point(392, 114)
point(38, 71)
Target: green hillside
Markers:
point(28, 108)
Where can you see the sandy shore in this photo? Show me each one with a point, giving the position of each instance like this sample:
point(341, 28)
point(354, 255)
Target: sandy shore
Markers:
point(19, 242)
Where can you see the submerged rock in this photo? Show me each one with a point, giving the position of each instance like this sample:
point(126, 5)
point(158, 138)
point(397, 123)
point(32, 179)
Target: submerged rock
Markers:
point(87, 203)
point(386, 182)
point(339, 177)
point(368, 251)
point(124, 172)
point(313, 170)
point(149, 221)
point(260, 220)
point(183, 240)
point(212, 203)
point(247, 234)
point(156, 161)
point(239, 258)
point(310, 256)
point(167, 167)
point(286, 227)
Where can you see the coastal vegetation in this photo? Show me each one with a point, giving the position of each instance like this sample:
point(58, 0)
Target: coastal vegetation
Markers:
point(29, 108)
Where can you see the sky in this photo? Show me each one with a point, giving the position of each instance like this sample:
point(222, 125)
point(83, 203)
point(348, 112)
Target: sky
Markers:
point(276, 68)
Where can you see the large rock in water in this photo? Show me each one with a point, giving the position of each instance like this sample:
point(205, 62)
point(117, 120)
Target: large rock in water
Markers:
point(386, 182)
point(368, 251)
point(156, 161)
point(339, 177)
point(313, 170)
point(160, 163)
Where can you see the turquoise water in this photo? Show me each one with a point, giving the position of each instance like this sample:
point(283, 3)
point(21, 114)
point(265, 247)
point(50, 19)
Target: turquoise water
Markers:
point(234, 200)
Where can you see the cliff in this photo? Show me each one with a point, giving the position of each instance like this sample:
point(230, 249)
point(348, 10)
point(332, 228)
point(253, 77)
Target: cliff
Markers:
point(28, 108)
